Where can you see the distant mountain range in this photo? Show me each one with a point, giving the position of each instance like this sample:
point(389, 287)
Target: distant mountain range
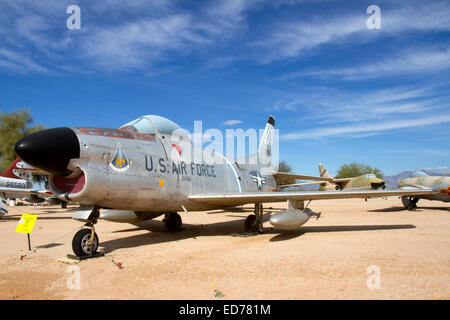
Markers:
point(392, 181)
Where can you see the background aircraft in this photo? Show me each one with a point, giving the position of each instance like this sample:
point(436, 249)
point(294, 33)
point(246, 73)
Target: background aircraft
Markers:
point(19, 176)
point(363, 182)
point(15, 176)
point(144, 169)
point(420, 180)
point(327, 182)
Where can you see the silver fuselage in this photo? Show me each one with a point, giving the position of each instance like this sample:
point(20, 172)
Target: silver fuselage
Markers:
point(155, 179)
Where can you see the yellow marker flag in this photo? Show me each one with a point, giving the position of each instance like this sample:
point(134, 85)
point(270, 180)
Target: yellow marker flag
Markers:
point(26, 223)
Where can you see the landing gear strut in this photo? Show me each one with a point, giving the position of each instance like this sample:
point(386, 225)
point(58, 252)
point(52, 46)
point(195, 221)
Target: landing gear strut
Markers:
point(173, 221)
point(85, 242)
point(410, 203)
point(254, 222)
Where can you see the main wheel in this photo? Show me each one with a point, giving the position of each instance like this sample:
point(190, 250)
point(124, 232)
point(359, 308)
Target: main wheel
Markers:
point(80, 243)
point(173, 222)
point(409, 203)
point(250, 224)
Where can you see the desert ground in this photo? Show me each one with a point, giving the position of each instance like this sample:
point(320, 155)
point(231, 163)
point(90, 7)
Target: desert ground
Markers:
point(356, 250)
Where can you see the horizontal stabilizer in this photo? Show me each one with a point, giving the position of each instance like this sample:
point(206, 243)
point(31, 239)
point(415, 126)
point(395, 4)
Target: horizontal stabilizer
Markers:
point(300, 176)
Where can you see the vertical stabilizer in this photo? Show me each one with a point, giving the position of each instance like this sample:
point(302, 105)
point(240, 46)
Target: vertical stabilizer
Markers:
point(18, 170)
point(9, 173)
point(266, 144)
point(323, 172)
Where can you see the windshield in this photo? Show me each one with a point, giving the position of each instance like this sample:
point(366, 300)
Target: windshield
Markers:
point(152, 123)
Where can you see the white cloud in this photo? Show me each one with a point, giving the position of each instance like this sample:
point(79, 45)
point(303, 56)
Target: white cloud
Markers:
point(136, 44)
point(231, 122)
point(331, 105)
point(295, 37)
point(19, 63)
point(363, 128)
point(408, 62)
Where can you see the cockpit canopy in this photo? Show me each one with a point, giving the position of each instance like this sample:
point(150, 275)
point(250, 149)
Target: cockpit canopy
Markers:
point(148, 124)
point(370, 176)
point(418, 174)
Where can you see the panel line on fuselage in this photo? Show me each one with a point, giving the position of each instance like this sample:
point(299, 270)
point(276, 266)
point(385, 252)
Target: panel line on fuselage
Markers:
point(238, 183)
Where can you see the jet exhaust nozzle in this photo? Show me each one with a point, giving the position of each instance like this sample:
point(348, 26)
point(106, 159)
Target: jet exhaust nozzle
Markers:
point(49, 150)
point(290, 219)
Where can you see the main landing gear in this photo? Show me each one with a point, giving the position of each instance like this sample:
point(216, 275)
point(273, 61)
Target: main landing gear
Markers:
point(410, 203)
point(173, 221)
point(85, 242)
point(254, 222)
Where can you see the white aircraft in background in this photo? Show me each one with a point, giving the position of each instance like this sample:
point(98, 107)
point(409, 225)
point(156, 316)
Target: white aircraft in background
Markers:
point(17, 178)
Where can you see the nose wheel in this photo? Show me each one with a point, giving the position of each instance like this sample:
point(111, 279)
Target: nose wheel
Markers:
point(85, 241)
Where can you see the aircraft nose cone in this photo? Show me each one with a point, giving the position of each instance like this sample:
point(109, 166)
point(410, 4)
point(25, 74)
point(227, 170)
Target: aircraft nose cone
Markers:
point(49, 150)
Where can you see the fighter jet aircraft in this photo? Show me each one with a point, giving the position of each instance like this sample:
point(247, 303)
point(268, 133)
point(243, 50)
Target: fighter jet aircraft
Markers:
point(420, 180)
point(327, 182)
point(143, 170)
point(364, 182)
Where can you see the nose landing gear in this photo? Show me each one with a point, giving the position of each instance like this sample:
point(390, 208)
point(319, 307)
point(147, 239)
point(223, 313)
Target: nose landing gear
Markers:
point(85, 242)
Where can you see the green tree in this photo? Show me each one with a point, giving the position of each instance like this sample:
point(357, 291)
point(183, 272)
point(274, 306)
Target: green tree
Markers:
point(356, 169)
point(283, 166)
point(14, 126)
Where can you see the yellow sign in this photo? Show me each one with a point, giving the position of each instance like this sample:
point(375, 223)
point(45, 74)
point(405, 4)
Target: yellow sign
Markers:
point(26, 223)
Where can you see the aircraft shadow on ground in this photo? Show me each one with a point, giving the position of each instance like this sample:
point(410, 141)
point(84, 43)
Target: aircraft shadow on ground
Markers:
point(418, 209)
point(42, 215)
point(159, 233)
point(290, 234)
point(12, 217)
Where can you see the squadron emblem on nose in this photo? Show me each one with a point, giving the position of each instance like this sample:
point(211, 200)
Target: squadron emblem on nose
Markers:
point(120, 161)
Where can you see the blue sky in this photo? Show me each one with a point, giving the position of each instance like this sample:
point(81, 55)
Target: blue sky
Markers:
point(340, 92)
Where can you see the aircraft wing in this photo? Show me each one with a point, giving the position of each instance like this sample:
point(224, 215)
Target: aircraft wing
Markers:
point(41, 193)
point(340, 180)
point(298, 184)
point(300, 176)
point(261, 197)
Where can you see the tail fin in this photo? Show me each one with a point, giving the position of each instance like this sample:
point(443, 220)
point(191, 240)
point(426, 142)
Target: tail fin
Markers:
point(265, 149)
point(323, 172)
point(9, 173)
point(18, 170)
